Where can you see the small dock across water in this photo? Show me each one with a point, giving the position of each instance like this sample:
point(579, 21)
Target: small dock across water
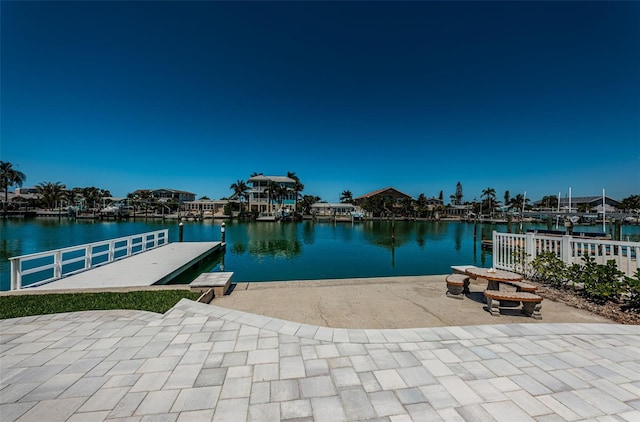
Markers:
point(155, 266)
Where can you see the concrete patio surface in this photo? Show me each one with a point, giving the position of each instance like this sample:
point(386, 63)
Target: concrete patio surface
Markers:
point(203, 362)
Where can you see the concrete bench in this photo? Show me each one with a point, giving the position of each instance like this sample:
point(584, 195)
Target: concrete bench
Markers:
point(523, 286)
point(531, 303)
point(219, 282)
point(461, 269)
point(457, 285)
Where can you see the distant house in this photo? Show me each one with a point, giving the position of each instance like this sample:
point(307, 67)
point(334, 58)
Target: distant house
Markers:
point(208, 207)
point(261, 200)
point(461, 211)
point(386, 194)
point(166, 195)
point(324, 209)
point(590, 203)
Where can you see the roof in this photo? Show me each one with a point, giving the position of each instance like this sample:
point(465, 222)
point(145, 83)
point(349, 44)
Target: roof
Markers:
point(582, 200)
point(379, 191)
point(277, 179)
point(173, 190)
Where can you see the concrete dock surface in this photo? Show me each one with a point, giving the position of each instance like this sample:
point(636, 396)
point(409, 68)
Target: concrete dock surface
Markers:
point(143, 269)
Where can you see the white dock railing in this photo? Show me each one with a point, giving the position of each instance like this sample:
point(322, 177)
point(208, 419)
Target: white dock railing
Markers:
point(44, 267)
point(512, 251)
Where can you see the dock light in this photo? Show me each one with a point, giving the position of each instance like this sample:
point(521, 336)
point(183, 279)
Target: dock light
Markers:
point(180, 231)
point(222, 235)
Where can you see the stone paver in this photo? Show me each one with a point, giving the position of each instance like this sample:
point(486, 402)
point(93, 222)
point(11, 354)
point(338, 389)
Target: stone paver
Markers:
point(201, 362)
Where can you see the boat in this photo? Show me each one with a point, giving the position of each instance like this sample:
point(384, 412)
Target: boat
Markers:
point(357, 215)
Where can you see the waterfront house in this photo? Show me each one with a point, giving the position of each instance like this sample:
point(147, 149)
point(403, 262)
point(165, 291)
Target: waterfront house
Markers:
point(261, 200)
point(171, 195)
point(335, 210)
point(208, 208)
point(386, 194)
point(583, 204)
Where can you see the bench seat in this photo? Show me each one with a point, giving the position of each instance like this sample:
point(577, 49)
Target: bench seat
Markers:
point(531, 303)
point(457, 285)
point(523, 286)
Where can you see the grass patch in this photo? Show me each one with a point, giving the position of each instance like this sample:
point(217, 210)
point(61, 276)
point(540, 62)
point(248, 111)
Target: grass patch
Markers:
point(159, 301)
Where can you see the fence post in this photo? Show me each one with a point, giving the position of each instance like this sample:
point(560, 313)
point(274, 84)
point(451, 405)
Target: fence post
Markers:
point(565, 249)
point(87, 257)
point(496, 250)
point(16, 278)
point(112, 254)
point(530, 250)
point(57, 264)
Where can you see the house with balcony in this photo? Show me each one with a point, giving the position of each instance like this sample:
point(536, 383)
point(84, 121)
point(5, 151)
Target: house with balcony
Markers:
point(172, 195)
point(268, 194)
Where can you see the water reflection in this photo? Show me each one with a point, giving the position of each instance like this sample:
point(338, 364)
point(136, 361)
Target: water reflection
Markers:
point(259, 251)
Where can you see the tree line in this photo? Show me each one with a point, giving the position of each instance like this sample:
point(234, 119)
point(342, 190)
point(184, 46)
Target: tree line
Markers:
point(51, 194)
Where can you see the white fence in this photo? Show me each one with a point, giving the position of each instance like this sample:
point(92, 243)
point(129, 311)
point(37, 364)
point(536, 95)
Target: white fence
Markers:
point(512, 251)
point(43, 267)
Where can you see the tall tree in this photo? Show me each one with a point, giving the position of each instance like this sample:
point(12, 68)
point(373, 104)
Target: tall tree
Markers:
point(489, 194)
point(422, 205)
point(9, 176)
point(307, 201)
point(50, 193)
point(239, 189)
point(346, 197)
point(507, 199)
point(550, 201)
point(272, 191)
point(458, 194)
point(297, 188)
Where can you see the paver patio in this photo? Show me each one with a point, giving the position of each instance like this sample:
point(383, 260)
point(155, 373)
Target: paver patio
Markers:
point(203, 362)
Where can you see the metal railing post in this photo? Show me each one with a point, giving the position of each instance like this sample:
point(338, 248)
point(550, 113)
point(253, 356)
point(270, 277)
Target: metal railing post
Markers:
point(112, 252)
point(16, 276)
point(57, 264)
point(87, 257)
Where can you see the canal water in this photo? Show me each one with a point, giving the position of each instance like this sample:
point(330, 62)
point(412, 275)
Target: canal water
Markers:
point(269, 251)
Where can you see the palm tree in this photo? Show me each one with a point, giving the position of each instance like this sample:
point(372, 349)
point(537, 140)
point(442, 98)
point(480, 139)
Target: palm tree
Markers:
point(239, 189)
point(550, 201)
point(489, 194)
point(50, 193)
point(91, 195)
point(297, 187)
point(9, 177)
point(272, 190)
point(70, 196)
point(519, 202)
point(507, 199)
point(346, 196)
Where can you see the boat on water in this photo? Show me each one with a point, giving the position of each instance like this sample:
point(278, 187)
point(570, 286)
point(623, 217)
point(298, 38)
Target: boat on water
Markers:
point(357, 215)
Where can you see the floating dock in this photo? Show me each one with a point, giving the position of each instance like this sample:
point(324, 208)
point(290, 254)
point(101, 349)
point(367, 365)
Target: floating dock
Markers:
point(155, 266)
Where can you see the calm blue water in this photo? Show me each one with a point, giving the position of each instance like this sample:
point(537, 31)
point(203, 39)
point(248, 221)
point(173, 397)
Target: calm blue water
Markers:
point(264, 251)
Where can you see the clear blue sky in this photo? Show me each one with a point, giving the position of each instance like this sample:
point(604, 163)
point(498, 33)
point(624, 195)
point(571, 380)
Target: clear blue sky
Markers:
point(517, 96)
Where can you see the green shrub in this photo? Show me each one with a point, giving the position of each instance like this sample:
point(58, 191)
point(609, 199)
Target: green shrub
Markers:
point(631, 287)
point(547, 268)
point(602, 283)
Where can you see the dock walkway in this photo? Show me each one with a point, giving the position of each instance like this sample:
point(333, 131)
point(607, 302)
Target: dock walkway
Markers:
point(153, 266)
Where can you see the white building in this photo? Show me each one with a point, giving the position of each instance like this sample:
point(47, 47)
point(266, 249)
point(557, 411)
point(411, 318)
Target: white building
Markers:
point(261, 200)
